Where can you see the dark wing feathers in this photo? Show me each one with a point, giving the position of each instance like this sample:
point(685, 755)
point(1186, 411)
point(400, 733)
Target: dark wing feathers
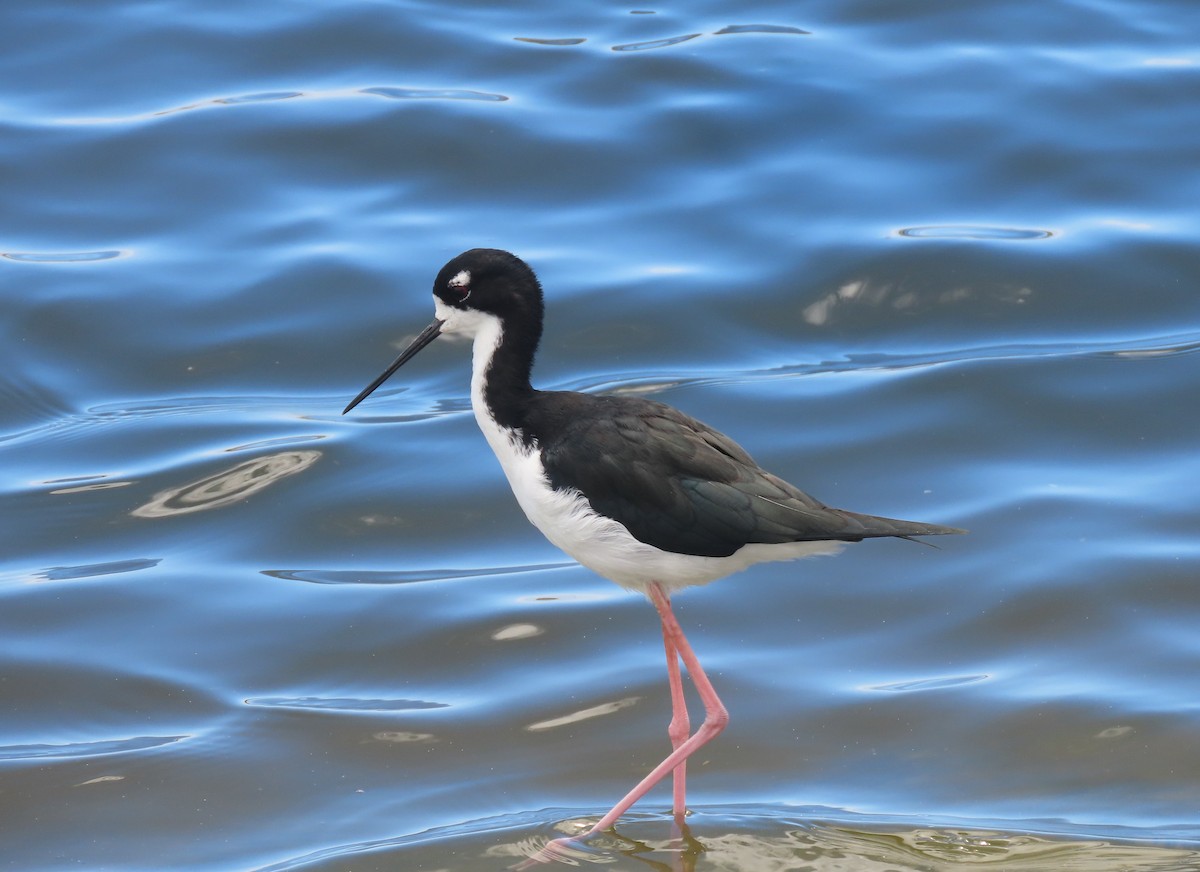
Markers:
point(681, 486)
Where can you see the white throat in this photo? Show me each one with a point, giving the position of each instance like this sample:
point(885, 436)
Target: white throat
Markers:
point(488, 334)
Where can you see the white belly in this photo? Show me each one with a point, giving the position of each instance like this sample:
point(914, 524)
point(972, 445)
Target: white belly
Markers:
point(606, 546)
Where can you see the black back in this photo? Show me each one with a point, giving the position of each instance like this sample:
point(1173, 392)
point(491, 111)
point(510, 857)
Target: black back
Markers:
point(679, 485)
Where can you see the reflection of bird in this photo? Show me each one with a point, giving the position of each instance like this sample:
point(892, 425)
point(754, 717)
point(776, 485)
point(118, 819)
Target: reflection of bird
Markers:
point(633, 489)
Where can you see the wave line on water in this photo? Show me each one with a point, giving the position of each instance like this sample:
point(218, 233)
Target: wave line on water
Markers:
point(393, 92)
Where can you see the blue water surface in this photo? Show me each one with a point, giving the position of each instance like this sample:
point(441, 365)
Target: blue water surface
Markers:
point(927, 259)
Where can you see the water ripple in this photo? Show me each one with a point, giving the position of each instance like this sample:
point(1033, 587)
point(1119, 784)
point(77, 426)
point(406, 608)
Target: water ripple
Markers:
point(965, 231)
point(595, 711)
point(649, 383)
point(345, 704)
point(60, 420)
point(91, 483)
point(921, 684)
point(761, 28)
point(228, 486)
point(85, 749)
point(536, 41)
point(434, 94)
point(517, 631)
point(263, 97)
point(92, 570)
point(276, 442)
point(62, 256)
point(655, 43)
point(337, 576)
point(238, 100)
point(403, 737)
point(730, 29)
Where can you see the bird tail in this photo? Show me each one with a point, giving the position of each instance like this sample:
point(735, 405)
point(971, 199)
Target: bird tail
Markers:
point(872, 526)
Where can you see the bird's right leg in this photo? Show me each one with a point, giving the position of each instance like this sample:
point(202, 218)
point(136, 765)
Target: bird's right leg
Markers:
point(680, 727)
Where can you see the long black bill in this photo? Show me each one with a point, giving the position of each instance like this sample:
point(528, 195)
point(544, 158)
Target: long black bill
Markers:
point(426, 336)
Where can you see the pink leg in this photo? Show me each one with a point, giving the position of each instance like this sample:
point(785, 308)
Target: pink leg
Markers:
point(715, 716)
point(680, 726)
point(715, 720)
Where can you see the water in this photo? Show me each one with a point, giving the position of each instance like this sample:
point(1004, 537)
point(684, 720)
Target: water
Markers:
point(930, 260)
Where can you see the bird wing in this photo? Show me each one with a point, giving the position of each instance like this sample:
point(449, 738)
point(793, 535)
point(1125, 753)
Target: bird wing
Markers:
point(679, 485)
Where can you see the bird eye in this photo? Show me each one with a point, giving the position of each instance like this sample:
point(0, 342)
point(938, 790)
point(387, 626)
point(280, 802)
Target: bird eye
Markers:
point(460, 283)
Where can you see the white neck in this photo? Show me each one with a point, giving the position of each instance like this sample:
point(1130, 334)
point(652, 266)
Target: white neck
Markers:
point(488, 334)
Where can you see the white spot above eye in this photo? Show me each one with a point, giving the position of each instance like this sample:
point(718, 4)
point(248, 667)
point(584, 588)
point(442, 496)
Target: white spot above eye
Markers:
point(461, 279)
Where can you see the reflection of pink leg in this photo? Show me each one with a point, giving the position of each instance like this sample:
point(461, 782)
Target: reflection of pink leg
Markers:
point(680, 725)
point(715, 719)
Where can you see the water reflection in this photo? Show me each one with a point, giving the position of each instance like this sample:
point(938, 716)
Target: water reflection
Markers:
point(902, 295)
point(517, 631)
point(366, 576)
point(682, 848)
point(732, 28)
point(403, 737)
point(761, 28)
point(101, 779)
point(259, 97)
point(227, 487)
point(967, 231)
point(394, 93)
point(83, 488)
point(920, 684)
point(807, 845)
point(671, 40)
point(388, 91)
point(655, 43)
point(92, 570)
point(86, 749)
point(536, 41)
point(605, 708)
point(345, 704)
point(61, 256)
point(749, 839)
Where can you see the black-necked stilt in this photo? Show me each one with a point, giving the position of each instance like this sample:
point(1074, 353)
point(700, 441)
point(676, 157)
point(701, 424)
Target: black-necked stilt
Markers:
point(633, 489)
